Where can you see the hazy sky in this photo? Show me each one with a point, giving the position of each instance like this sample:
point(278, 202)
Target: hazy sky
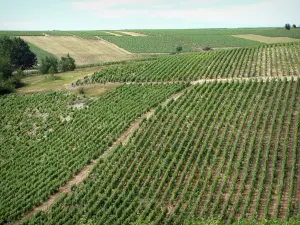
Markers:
point(141, 14)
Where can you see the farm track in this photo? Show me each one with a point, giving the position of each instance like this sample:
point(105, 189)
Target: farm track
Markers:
point(84, 173)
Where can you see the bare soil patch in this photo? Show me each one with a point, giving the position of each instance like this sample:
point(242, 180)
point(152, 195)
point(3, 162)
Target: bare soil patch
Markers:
point(83, 50)
point(265, 39)
point(134, 34)
point(115, 34)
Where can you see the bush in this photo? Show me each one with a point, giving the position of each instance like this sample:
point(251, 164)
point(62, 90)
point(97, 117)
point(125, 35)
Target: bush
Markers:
point(294, 26)
point(287, 26)
point(66, 64)
point(179, 49)
point(47, 63)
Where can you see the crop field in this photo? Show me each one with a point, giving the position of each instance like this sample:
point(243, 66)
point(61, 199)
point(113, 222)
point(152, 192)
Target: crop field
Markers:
point(50, 137)
point(208, 137)
point(223, 150)
point(84, 51)
point(265, 39)
point(267, 60)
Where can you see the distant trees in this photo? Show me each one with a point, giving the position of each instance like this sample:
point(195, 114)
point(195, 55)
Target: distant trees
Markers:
point(287, 26)
point(294, 26)
point(50, 62)
point(66, 64)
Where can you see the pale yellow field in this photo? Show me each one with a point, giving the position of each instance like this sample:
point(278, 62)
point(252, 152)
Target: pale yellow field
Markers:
point(134, 34)
point(115, 34)
point(265, 39)
point(82, 50)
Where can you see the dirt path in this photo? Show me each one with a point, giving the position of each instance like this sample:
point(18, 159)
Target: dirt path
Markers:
point(114, 34)
point(83, 174)
point(133, 34)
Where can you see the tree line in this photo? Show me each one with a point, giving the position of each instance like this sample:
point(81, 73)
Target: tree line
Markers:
point(16, 56)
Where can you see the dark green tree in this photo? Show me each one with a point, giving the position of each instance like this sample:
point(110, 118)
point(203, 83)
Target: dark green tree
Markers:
point(66, 64)
point(47, 63)
point(287, 26)
point(18, 51)
point(294, 26)
point(179, 49)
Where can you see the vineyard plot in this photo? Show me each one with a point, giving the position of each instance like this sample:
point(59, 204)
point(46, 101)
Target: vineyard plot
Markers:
point(47, 138)
point(221, 150)
point(269, 60)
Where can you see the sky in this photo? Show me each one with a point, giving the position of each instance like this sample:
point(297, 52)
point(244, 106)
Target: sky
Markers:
point(145, 14)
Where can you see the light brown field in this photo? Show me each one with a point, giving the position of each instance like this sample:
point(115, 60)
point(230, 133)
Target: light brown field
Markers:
point(134, 34)
point(84, 51)
point(265, 39)
point(115, 34)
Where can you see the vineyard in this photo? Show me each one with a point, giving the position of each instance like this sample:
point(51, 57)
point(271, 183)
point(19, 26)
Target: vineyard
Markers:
point(222, 150)
point(210, 137)
point(50, 137)
point(268, 60)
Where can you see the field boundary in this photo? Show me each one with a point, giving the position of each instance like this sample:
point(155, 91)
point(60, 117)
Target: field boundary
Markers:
point(84, 173)
point(114, 45)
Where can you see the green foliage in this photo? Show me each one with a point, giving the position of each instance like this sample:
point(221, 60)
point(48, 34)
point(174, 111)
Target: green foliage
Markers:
point(47, 63)
point(66, 64)
point(46, 138)
point(294, 26)
point(242, 62)
point(287, 26)
point(18, 51)
point(225, 152)
point(8, 80)
point(179, 49)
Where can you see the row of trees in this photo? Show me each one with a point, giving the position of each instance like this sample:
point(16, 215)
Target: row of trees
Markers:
point(288, 26)
point(16, 56)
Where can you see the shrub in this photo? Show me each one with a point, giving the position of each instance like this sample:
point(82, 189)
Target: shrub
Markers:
point(179, 49)
point(294, 26)
point(66, 64)
point(47, 63)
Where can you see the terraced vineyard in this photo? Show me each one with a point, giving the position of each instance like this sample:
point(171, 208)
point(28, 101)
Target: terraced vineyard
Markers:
point(222, 150)
point(268, 60)
point(46, 138)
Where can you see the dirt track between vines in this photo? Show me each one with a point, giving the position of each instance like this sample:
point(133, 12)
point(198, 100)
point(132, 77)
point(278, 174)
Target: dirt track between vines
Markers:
point(84, 173)
point(124, 138)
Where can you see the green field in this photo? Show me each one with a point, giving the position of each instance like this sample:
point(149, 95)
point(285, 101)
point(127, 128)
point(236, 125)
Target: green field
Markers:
point(222, 150)
point(166, 41)
point(267, 60)
point(48, 139)
point(194, 138)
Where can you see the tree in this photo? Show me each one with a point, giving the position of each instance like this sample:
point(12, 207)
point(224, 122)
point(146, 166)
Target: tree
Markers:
point(294, 26)
point(8, 80)
point(287, 26)
point(179, 49)
point(52, 70)
point(66, 64)
point(18, 51)
point(47, 63)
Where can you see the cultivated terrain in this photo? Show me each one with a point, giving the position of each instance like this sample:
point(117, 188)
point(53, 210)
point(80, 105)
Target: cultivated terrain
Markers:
point(206, 135)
